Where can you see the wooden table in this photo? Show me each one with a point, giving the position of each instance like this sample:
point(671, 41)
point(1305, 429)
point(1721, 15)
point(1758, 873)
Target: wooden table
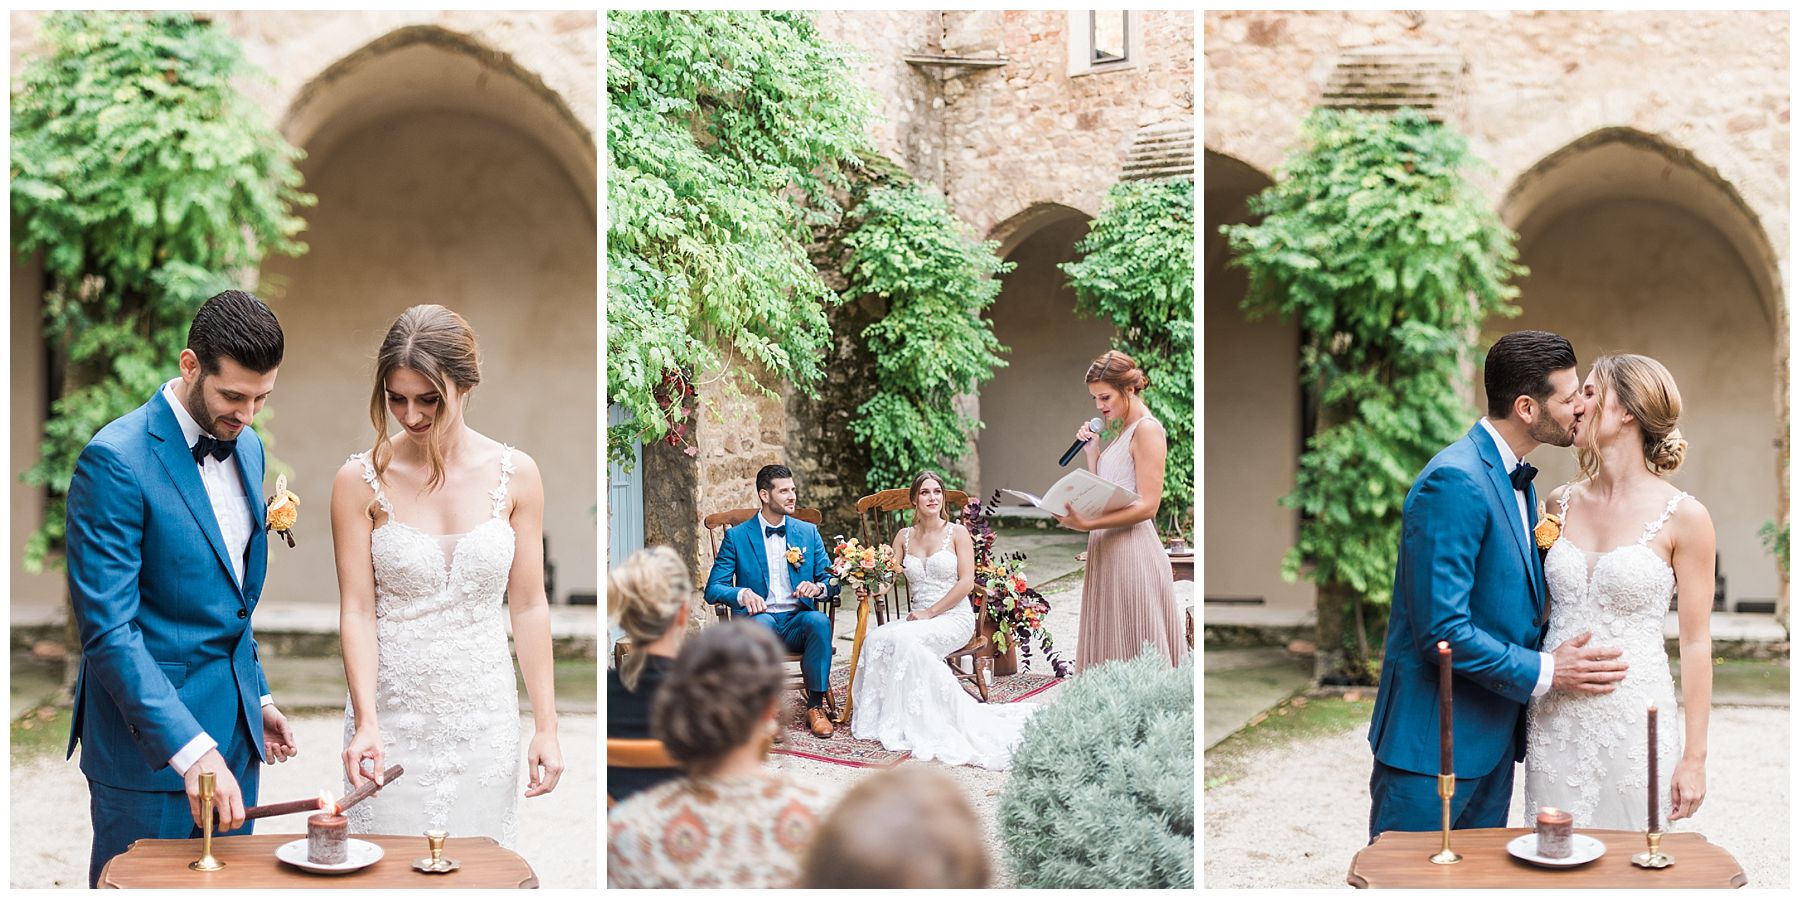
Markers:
point(1399, 859)
point(1182, 567)
point(250, 863)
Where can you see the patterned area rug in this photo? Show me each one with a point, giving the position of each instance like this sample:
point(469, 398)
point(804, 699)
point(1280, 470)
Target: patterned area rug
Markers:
point(843, 749)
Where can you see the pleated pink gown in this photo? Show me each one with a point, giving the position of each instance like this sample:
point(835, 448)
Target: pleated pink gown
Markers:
point(1128, 597)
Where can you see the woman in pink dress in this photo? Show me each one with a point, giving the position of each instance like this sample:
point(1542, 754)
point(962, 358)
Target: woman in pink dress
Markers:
point(1128, 596)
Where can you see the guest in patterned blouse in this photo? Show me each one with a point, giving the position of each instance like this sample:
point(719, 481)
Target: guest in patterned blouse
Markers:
point(729, 822)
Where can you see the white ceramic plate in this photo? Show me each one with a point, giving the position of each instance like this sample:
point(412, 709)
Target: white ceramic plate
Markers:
point(1582, 849)
point(358, 854)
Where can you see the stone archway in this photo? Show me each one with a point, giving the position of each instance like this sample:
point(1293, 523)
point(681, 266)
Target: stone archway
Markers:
point(1636, 245)
point(1253, 427)
point(1031, 408)
point(446, 173)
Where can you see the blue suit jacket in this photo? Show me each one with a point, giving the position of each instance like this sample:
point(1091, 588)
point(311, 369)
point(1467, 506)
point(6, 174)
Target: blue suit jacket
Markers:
point(166, 645)
point(743, 562)
point(1468, 573)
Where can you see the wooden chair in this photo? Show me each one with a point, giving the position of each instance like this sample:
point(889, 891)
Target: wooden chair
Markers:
point(716, 523)
point(979, 651)
point(624, 753)
point(881, 516)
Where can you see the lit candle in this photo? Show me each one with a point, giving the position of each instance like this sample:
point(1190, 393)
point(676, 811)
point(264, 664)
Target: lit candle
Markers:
point(1653, 814)
point(327, 835)
point(1447, 764)
point(1555, 830)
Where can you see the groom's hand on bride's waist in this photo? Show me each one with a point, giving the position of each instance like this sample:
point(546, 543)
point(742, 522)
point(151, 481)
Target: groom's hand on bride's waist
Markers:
point(228, 798)
point(1580, 668)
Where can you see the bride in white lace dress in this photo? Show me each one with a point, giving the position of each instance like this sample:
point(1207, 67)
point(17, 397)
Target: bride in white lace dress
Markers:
point(1629, 541)
point(906, 696)
point(433, 529)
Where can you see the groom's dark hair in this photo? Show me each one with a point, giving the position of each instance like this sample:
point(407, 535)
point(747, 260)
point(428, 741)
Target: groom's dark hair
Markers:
point(768, 474)
point(237, 325)
point(1519, 364)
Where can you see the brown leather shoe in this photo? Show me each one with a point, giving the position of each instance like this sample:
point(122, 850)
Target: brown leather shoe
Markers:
point(820, 723)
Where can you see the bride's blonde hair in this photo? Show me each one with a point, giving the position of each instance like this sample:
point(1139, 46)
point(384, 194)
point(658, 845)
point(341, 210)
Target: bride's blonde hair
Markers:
point(1645, 389)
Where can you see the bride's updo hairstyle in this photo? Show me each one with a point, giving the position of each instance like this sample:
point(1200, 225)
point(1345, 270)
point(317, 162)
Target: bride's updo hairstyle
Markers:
point(646, 593)
point(1644, 388)
point(717, 694)
point(440, 346)
point(1119, 370)
point(918, 483)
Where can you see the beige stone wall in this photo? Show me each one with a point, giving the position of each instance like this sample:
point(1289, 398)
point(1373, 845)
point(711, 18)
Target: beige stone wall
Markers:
point(1714, 83)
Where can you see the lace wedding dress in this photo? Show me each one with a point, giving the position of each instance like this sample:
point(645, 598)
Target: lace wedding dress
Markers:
point(1588, 753)
point(446, 700)
point(906, 696)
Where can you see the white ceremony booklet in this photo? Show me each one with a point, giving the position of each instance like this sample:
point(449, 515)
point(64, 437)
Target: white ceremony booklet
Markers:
point(1082, 491)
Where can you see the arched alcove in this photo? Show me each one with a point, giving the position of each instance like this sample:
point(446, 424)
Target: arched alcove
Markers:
point(1032, 407)
point(1636, 245)
point(1253, 426)
point(445, 174)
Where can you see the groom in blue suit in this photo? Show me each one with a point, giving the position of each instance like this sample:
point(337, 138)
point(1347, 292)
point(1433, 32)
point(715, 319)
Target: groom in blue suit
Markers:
point(166, 556)
point(1470, 574)
point(754, 575)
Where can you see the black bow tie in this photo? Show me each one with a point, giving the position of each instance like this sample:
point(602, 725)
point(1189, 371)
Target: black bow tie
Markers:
point(1522, 475)
point(209, 445)
point(777, 531)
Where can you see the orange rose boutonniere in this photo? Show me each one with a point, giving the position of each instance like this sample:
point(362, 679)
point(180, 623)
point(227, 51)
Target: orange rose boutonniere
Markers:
point(1548, 529)
point(283, 511)
point(794, 556)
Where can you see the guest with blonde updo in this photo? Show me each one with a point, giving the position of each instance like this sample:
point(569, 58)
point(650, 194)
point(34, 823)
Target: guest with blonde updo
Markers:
point(650, 597)
point(729, 821)
point(909, 828)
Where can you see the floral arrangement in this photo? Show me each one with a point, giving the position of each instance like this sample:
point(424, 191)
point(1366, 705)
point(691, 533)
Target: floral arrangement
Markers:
point(1017, 610)
point(795, 555)
point(866, 565)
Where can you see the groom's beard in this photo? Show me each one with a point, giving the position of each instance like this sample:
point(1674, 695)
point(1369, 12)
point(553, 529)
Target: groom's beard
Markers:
point(1549, 432)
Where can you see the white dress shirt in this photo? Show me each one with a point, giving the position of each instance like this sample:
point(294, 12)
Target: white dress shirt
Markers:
point(231, 509)
point(781, 587)
point(1509, 461)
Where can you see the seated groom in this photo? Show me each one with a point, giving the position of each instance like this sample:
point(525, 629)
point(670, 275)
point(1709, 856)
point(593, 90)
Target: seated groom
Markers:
point(755, 575)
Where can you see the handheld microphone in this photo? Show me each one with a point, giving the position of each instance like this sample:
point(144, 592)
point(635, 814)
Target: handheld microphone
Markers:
point(1094, 424)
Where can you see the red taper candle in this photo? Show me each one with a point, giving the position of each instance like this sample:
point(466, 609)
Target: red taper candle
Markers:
point(1653, 812)
point(1448, 764)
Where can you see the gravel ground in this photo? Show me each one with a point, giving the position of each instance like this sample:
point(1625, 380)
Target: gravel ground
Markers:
point(558, 833)
point(1300, 817)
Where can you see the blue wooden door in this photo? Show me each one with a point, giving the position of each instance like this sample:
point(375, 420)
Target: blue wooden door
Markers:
point(624, 499)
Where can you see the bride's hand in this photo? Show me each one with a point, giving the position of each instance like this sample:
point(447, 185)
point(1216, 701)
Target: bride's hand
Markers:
point(918, 615)
point(1688, 788)
point(364, 744)
point(545, 754)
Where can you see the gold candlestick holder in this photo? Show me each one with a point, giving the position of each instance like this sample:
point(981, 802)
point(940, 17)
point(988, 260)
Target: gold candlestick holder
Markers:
point(206, 861)
point(1653, 856)
point(1446, 789)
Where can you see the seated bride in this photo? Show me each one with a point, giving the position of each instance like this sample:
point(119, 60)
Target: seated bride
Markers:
point(906, 697)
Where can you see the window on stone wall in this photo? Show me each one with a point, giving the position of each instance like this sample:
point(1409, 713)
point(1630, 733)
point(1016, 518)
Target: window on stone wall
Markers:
point(1107, 36)
point(1104, 41)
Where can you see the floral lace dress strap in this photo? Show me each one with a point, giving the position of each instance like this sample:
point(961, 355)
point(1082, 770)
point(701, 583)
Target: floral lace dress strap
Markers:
point(1652, 528)
point(498, 494)
point(948, 530)
point(374, 483)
